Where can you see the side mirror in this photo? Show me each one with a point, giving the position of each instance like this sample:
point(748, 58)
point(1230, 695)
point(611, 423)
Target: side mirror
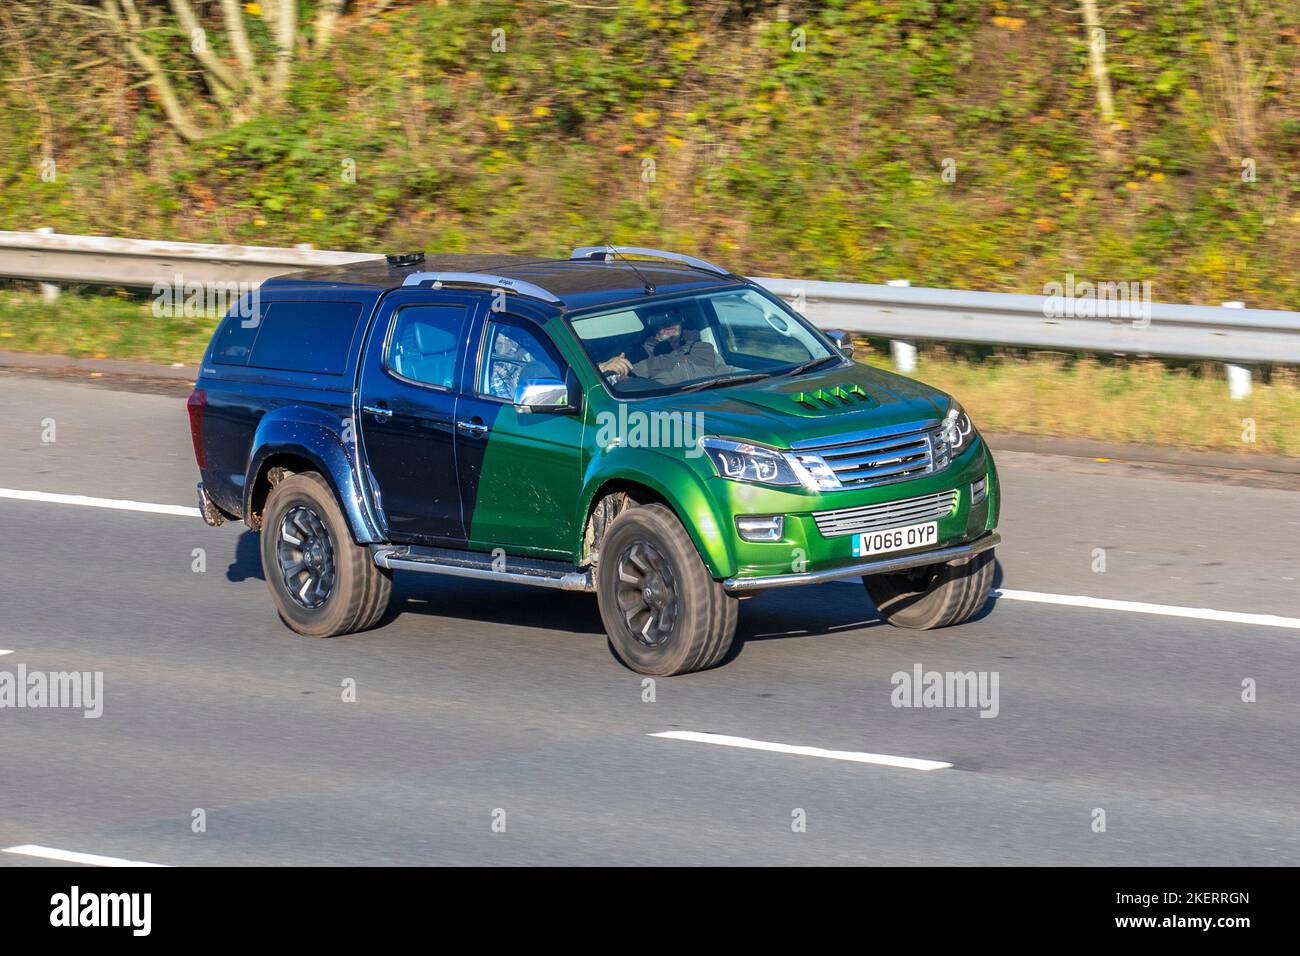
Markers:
point(842, 341)
point(543, 395)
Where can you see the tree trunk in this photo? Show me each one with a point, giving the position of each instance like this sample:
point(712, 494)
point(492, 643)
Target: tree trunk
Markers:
point(221, 79)
point(286, 36)
point(327, 17)
point(1097, 60)
point(171, 104)
point(234, 17)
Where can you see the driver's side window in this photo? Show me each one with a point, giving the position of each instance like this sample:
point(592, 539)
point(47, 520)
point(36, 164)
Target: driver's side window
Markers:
point(514, 353)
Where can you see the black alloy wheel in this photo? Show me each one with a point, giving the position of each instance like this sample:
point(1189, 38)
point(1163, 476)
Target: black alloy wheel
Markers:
point(647, 593)
point(306, 556)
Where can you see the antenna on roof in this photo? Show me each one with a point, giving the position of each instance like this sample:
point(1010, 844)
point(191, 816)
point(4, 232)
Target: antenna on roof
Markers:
point(404, 259)
point(613, 253)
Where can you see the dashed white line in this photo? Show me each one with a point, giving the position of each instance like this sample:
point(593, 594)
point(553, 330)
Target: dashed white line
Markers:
point(3, 653)
point(1141, 607)
point(884, 760)
point(1037, 597)
point(71, 856)
point(90, 502)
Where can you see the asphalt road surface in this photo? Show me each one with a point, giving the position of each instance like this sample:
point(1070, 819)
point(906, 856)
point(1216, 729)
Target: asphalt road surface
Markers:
point(491, 725)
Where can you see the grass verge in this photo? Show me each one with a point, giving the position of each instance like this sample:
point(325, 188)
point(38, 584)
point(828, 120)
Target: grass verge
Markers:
point(1044, 394)
point(100, 326)
point(1139, 401)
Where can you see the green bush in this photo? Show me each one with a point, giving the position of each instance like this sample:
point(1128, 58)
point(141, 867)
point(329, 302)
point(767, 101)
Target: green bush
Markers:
point(808, 146)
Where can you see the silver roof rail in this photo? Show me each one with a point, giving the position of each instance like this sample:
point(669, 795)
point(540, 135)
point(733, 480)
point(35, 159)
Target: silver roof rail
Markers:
point(590, 252)
point(481, 278)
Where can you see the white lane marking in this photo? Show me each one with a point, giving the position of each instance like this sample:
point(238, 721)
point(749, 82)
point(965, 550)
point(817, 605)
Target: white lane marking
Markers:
point(884, 760)
point(71, 856)
point(1037, 597)
point(89, 502)
point(3, 653)
point(1140, 607)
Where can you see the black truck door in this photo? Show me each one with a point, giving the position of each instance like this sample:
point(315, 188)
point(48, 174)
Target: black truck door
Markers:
point(407, 412)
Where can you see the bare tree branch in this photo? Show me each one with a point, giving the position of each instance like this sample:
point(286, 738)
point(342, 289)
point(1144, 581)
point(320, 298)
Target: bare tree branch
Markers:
point(327, 17)
point(132, 16)
point(271, 14)
point(243, 50)
point(127, 31)
point(1234, 85)
point(1097, 61)
point(221, 77)
point(286, 35)
point(378, 6)
point(25, 61)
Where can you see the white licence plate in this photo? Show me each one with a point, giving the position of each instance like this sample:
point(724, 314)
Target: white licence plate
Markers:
point(895, 539)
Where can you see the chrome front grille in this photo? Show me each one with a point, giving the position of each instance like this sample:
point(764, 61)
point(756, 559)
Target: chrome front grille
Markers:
point(886, 515)
point(877, 458)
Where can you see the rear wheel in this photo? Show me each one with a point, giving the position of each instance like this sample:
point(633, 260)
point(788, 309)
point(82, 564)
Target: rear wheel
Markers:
point(936, 595)
point(322, 582)
point(663, 612)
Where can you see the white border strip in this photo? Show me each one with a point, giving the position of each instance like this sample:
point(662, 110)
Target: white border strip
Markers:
point(99, 502)
point(1036, 597)
point(71, 856)
point(1139, 607)
point(884, 760)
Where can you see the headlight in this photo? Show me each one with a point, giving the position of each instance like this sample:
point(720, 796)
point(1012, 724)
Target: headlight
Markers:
point(956, 430)
point(743, 462)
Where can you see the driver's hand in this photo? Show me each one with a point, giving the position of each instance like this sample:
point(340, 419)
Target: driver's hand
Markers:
point(619, 365)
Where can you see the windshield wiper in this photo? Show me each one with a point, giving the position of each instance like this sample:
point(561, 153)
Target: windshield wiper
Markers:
point(725, 380)
point(808, 366)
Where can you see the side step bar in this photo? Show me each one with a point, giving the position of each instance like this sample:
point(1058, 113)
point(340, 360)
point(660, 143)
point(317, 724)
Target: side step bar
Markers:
point(475, 564)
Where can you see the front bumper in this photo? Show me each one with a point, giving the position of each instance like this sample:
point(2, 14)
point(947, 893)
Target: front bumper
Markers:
point(881, 565)
point(804, 548)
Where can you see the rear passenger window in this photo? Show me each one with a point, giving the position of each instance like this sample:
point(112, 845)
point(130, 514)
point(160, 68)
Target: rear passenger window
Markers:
point(234, 343)
point(425, 343)
point(305, 336)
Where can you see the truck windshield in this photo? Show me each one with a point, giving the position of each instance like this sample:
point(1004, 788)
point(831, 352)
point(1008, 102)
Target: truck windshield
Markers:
point(689, 342)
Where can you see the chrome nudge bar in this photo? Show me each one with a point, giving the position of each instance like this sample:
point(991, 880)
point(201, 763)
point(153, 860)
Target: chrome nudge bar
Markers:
point(879, 566)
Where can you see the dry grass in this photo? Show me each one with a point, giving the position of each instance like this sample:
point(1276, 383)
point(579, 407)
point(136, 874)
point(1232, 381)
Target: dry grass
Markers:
point(100, 326)
point(1044, 395)
point(1142, 401)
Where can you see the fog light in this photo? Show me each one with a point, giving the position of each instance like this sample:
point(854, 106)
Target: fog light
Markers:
point(977, 490)
point(760, 527)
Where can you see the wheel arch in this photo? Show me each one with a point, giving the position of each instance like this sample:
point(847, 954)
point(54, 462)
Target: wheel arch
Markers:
point(309, 441)
point(671, 484)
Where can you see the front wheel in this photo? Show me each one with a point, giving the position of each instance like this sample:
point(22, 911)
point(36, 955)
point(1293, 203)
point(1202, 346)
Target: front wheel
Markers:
point(323, 583)
point(662, 610)
point(936, 595)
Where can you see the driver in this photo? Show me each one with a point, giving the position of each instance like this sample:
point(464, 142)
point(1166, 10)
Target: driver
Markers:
point(673, 354)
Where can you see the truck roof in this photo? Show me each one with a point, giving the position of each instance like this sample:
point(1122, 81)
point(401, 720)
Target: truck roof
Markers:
point(577, 283)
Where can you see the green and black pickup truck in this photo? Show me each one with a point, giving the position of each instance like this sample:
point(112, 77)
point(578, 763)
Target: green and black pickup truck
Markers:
point(638, 423)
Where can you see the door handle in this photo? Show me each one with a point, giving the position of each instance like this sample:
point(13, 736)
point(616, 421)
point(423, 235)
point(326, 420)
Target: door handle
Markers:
point(473, 428)
point(380, 413)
